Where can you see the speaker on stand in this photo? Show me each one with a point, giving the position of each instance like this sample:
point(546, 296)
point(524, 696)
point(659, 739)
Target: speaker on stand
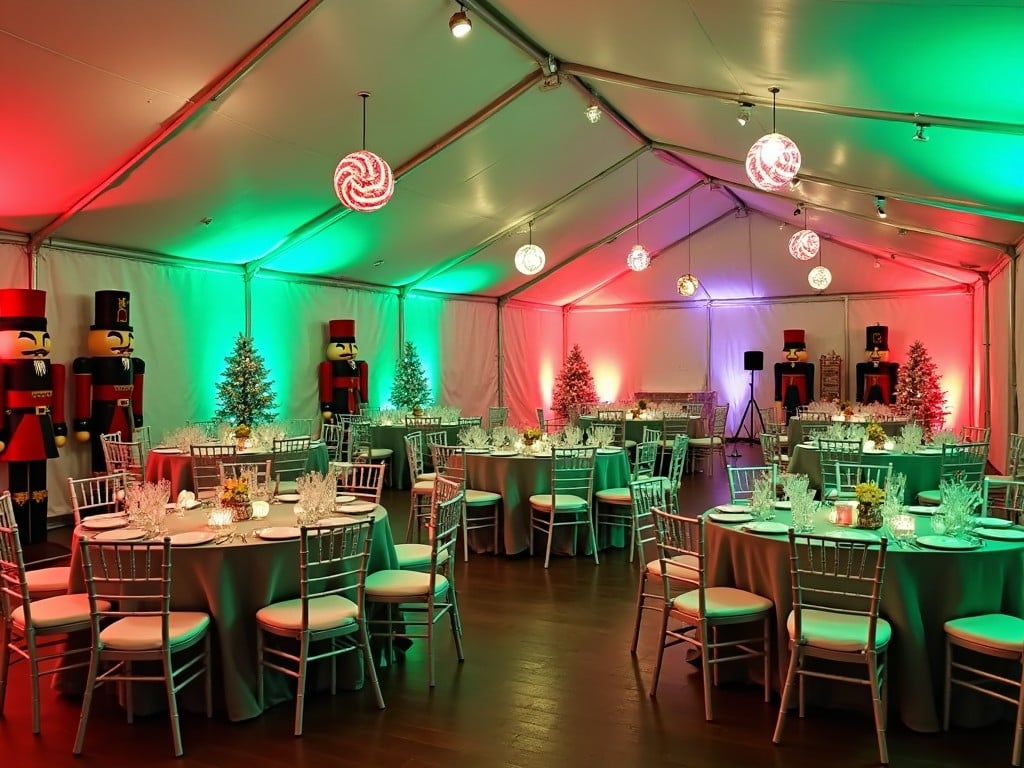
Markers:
point(753, 360)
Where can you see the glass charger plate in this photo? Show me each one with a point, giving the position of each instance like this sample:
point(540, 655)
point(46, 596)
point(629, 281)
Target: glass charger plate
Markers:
point(358, 506)
point(279, 532)
point(730, 517)
point(993, 522)
point(946, 542)
point(852, 534)
point(766, 527)
point(104, 523)
point(733, 508)
point(343, 520)
point(288, 498)
point(1000, 534)
point(121, 534)
point(344, 498)
point(191, 538)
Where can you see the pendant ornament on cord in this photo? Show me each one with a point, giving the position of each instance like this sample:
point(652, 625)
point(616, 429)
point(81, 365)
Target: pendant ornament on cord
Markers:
point(363, 180)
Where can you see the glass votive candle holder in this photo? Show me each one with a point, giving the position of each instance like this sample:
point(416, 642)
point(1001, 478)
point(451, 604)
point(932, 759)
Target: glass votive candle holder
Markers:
point(219, 518)
point(904, 527)
point(260, 509)
point(845, 513)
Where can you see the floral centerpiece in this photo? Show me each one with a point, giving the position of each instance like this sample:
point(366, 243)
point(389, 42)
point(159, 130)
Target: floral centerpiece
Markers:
point(531, 435)
point(869, 505)
point(243, 437)
point(846, 409)
point(877, 435)
point(234, 495)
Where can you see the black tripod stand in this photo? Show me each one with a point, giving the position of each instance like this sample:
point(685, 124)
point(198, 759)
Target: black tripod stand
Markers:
point(752, 361)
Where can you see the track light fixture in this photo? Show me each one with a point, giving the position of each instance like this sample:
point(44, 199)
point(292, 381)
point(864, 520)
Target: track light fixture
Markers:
point(880, 206)
point(593, 112)
point(799, 209)
point(459, 23)
point(794, 184)
point(919, 134)
point(744, 114)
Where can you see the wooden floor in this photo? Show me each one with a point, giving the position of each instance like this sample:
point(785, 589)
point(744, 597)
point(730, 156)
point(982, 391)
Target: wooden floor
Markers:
point(548, 681)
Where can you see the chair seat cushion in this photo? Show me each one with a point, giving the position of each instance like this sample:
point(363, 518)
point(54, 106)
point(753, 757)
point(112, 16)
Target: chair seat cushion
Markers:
point(563, 501)
point(931, 498)
point(683, 566)
point(327, 612)
point(378, 453)
point(481, 498)
point(992, 630)
point(142, 633)
point(615, 496)
point(399, 584)
point(423, 486)
point(426, 476)
point(52, 581)
point(51, 613)
point(414, 556)
point(837, 631)
point(722, 603)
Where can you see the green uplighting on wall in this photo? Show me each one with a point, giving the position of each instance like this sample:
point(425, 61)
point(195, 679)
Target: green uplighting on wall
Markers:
point(423, 328)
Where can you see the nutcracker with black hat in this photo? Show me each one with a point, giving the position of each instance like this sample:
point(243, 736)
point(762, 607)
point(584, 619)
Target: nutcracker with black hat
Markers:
point(31, 406)
point(876, 379)
point(794, 379)
point(343, 379)
point(108, 385)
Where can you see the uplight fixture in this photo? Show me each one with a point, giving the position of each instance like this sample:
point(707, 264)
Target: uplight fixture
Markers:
point(593, 112)
point(459, 23)
point(774, 159)
point(638, 259)
point(530, 258)
point(880, 207)
point(363, 181)
point(919, 133)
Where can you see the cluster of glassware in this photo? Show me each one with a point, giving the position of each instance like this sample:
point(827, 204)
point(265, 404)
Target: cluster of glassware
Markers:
point(396, 416)
point(317, 493)
point(601, 436)
point(185, 437)
point(945, 437)
point(958, 512)
point(796, 489)
point(146, 505)
point(911, 438)
point(570, 437)
point(763, 497)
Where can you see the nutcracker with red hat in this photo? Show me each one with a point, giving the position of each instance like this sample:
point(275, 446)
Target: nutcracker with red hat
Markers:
point(876, 379)
point(343, 379)
point(108, 385)
point(794, 379)
point(31, 406)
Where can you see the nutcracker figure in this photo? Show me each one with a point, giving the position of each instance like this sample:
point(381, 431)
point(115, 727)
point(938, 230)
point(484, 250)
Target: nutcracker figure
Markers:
point(108, 385)
point(876, 379)
point(794, 379)
point(343, 379)
point(31, 406)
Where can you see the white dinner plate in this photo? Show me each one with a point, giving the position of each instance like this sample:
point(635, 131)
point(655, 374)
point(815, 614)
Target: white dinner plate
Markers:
point(730, 517)
point(1000, 534)
point(936, 541)
point(279, 533)
point(121, 534)
point(766, 527)
point(358, 506)
point(920, 509)
point(288, 498)
point(115, 516)
point(784, 504)
point(344, 498)
point(477, 450)
point(165, 450)
point(504, 453)
point(992, 522)
point(609, 450)
point(851, 534)
point(733, 508)
point(192, 538)
point(104, 523)
point(343, 520)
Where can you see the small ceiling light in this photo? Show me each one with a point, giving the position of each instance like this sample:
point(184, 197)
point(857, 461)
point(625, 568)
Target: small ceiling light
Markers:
point(530, 258)
point(363, 181)
point(819, 278)
point(593, 112)
point(901, 232)
point(799, 209)
point(804, 245)
point(774, 159)
point(688, 284)
point(638, 259)
point(880, 207)
point(794, 184)
point(744, 114)
point(459, 23)
point(919, 134)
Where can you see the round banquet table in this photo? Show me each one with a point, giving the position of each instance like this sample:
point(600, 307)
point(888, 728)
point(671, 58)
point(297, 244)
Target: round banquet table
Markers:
point(795, 434)
point(231, 581)
point(922, 589)
point(393, 437)
point(176, 467)
point(635, 427)
point(517, 478)
point(921, 470)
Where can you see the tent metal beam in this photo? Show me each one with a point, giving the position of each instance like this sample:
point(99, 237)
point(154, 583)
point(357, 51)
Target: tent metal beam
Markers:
point(985, 126)
point(606, 239)
point(179, 119)
point(336, 213)
point(533, 216)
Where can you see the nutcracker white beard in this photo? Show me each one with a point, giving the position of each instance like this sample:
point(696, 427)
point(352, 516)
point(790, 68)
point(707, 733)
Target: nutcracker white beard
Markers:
point(126, 363)
point(40, 366)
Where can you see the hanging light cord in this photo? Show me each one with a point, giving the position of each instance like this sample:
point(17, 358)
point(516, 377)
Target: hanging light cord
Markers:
point(364, 96)
point(775, 92)
point(638, 201)
point(689, 234)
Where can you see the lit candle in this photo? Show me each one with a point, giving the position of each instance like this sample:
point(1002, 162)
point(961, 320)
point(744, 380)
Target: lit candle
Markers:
point(845, 513)
point(904, 526)
point(260, 509)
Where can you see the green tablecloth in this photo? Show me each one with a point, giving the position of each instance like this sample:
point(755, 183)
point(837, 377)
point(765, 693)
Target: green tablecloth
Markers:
point(231, 582)
point(922, 590)
point(922, 471)
point(393, 437)
point(635, 427)
point(793, 431)
point(517, 478)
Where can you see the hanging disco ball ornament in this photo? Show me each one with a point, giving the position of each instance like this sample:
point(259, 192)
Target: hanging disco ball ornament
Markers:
point(819, 278)
point(638, 259)
point(363, 181)
point(774, 160)
point(687, 285)
point(530, 259)
point(804, 245)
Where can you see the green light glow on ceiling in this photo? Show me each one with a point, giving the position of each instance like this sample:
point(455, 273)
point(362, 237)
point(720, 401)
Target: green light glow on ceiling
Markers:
point(468, 277)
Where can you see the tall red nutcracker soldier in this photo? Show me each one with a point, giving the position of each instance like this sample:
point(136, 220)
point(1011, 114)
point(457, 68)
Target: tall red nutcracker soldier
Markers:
point(32, 402)
point(794, 379)
point(108, 385)
point(343, 379)
point(876, 379)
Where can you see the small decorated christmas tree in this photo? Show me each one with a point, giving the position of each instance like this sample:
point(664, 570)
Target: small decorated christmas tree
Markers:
point(574, 386)
point(411, 388)
point(918, 390)
point(245, 392)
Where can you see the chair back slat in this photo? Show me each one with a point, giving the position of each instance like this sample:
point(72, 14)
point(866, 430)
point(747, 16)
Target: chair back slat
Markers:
point(332, 561)
point(497, 416)
point(422, 421)
point(289, 458)
point(259, 470)
point(13, 581)
point(126, 457)
point(680, 537)
point(644, 495)
point(206, 461)
point(364, 481)
point(95, 495)
point(572, 472)
point(644, 459)
point(964, 462)
point(743, 479)
point(414, 453)
point(839, 450)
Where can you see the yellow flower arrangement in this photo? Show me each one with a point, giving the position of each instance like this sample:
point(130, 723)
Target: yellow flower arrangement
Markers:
point(235, 492)
point(242, 431)
point(869, 493)
point(875, 434)
point(532, 433)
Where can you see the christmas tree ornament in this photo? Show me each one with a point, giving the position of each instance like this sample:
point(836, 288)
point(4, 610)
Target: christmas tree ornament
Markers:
point(245, 393)
point(411, 389)
point(574, 386)
point(344, 381)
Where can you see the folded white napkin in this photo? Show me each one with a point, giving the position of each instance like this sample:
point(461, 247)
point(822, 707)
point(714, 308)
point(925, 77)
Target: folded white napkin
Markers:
point(186, 499)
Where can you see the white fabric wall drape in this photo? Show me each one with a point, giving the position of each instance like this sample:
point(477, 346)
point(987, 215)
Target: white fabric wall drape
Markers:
point(13, 266)
point(533, 357)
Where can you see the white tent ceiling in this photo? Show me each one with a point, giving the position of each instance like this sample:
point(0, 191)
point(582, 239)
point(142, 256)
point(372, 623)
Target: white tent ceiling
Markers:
point(210, 131)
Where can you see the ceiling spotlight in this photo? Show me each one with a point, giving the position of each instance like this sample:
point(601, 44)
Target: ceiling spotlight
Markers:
point(459, 23)
point(593, 112)
point(744, 113)
point(919, 134)
point(799, 209)
point(794, 183)
point(880, 206)
point(901, 232)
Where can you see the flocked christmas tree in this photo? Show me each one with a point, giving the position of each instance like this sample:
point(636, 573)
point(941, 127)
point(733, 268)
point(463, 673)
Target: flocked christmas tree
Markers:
point(410, 389)
point(918, 390)
point(574, 386)
point(245, 392)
